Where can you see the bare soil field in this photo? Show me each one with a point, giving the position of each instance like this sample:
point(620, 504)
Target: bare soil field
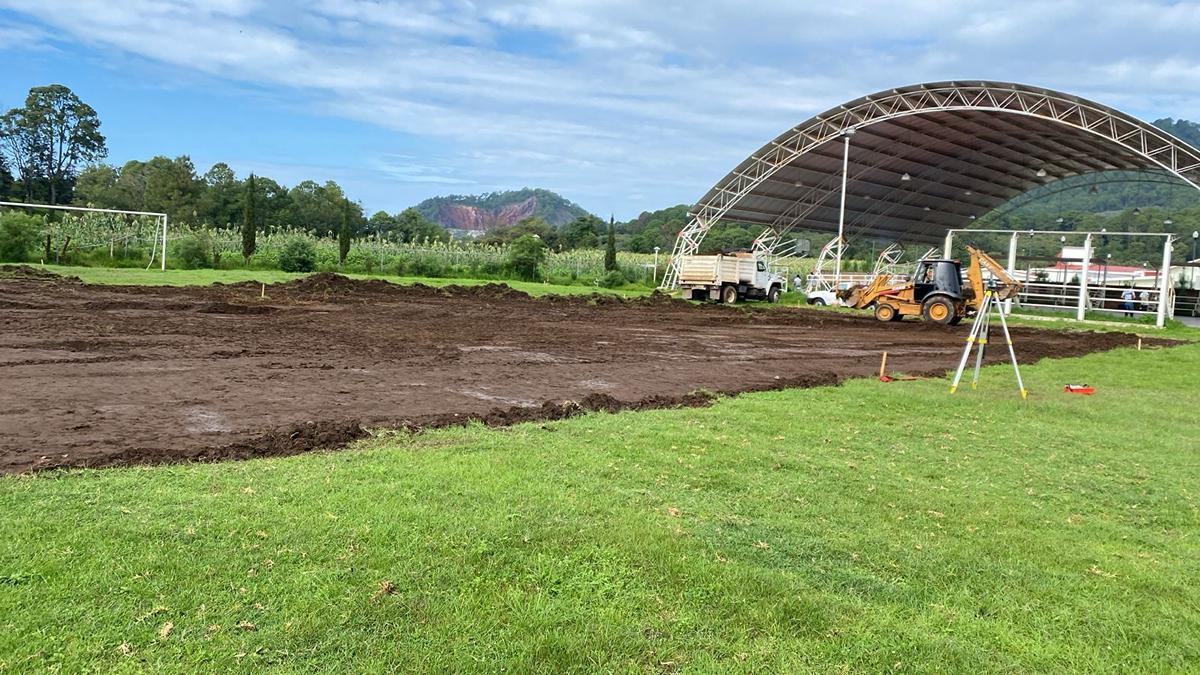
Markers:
point(117, 375)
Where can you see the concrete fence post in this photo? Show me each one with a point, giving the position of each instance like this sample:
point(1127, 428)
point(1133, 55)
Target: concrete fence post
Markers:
point(1083, 278)
point(1164, 284)
point(1012, 268)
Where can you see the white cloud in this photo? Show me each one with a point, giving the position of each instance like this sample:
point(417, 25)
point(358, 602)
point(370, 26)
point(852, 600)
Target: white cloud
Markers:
point(608, 99)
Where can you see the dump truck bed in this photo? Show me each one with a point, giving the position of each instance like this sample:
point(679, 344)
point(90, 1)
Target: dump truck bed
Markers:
point(714, 270)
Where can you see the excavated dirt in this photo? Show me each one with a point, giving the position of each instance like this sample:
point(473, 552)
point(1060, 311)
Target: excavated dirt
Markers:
point(113, 375)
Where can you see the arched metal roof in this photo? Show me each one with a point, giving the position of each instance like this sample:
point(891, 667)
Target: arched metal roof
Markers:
point(927, 158)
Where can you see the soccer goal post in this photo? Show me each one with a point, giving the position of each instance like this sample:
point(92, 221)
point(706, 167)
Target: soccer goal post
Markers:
point(158, 243)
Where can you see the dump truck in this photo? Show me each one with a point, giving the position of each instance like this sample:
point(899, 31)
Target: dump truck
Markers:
point(728, 278)
point(936, 292)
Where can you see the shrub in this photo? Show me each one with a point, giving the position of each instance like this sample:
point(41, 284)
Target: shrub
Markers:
point(525, 255)
point(193, 252)
point(298, 255)
point(425, 266)
point(18, 235)
point(611, 280)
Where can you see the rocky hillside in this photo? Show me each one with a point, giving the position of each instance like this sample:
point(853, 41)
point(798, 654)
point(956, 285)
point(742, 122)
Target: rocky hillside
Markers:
point(480, 213)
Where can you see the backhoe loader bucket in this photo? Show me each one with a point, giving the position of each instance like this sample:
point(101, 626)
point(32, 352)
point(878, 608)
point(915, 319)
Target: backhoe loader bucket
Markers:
point(852, 295)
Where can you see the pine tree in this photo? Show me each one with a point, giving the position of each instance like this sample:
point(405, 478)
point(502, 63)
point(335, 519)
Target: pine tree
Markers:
point(249, 220)
point(344, 233)
point(610, 250)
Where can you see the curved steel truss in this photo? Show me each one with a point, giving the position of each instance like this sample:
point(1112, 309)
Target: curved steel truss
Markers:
point(928, 158)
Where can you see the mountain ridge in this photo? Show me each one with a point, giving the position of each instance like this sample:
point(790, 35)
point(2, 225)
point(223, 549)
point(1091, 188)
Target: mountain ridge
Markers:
point(491, 210)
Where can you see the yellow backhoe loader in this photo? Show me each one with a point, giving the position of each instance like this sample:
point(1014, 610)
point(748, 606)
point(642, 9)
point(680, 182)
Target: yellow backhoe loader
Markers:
point(936, 291)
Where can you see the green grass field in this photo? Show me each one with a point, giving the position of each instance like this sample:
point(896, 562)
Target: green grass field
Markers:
point(865, 528)
point(157, 277)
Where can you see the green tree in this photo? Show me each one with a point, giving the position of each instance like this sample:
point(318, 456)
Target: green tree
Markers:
point(273, 201)
point(18, 235)
point(344, 233)
point(50, 137)
point(249, 220)
point(97, 186)
point(161, 185)
point(528, 226)
point(656, 228)
point(220, 201)
point(583, 232)
point(525, 256)
point(610, 249)
point(6, 178)
point(317, 208)
point(410, 225)
point(382, 223)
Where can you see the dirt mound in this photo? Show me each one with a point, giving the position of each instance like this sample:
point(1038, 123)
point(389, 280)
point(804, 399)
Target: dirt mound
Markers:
point(30, 273)
point(290, 441)
point(333, 287)
point(488, 291)
point(329, 284)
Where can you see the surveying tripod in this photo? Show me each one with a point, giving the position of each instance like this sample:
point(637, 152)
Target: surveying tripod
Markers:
point(979, 337)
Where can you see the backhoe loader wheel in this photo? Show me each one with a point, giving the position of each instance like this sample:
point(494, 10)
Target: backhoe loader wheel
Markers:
point(939, 310)
point(729, 295)
point(885, 312)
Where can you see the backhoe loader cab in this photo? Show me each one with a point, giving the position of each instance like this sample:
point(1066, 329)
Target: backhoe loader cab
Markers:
point(938, 277)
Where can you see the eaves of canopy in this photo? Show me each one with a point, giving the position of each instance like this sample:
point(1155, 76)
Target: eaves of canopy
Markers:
point(928, 158)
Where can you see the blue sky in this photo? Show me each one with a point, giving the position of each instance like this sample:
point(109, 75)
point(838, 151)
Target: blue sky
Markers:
point(620, 106)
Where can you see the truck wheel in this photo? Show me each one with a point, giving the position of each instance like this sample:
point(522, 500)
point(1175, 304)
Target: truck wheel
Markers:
point(939, 310)
point(729, 295)
point(773, 294)
point(819, 302)
point(885, 312)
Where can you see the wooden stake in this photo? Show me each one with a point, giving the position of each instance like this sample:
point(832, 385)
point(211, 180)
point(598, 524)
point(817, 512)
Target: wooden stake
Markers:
point(1139, 344)
point(883, 365)
point(264, 291)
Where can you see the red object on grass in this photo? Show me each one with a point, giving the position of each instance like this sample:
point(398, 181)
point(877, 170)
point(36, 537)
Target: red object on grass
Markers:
point(1084, 389)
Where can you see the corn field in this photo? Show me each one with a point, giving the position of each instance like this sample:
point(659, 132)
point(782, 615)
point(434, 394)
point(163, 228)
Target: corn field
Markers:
point(102, 239)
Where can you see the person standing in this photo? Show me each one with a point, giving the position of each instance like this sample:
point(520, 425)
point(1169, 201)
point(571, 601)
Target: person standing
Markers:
point(1144, 297)
point(796, 282)
point(1127, 301)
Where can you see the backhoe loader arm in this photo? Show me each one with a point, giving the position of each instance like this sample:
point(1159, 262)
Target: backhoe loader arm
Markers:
point(1006, 286)
point(859, 296)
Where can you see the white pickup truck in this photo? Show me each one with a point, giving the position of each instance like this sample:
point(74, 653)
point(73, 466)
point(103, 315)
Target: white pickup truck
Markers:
point(728, 278)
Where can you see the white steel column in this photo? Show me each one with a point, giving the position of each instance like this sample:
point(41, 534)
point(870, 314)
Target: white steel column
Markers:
point(1083, 278)
point(837, 271)
point(949, 244)
point(164, 244)
point(1012, 268)
point(1164, 284)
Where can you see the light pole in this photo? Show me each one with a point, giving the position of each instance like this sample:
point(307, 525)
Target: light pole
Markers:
point(1195, 236)
point(837, 273)
point(655, 266)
